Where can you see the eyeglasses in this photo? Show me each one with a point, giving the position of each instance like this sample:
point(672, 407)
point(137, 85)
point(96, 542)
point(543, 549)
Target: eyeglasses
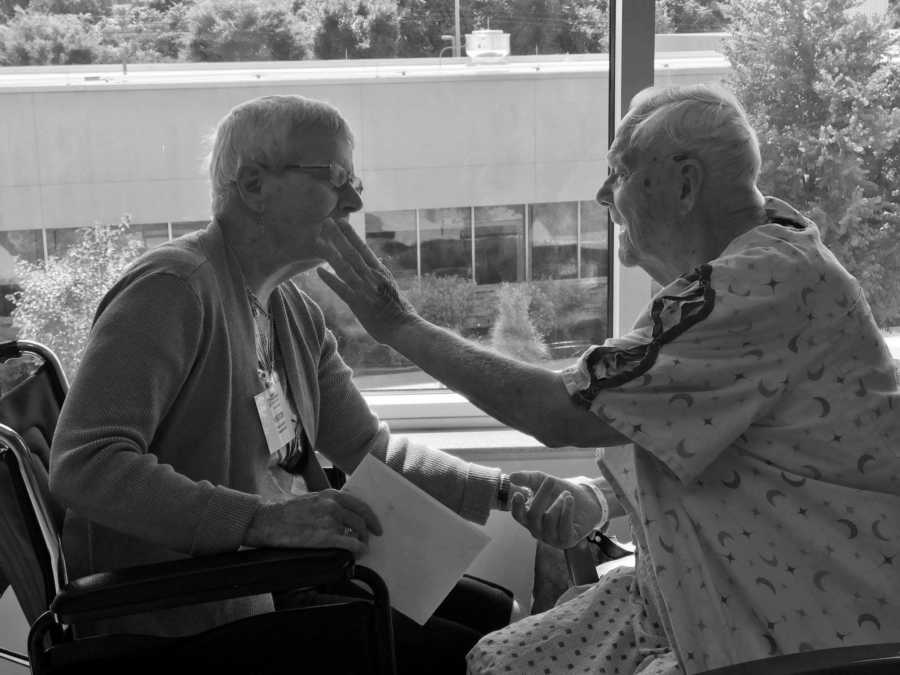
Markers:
point(334, 173)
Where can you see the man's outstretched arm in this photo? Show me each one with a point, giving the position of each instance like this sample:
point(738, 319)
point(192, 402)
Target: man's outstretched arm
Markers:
point(526, 397)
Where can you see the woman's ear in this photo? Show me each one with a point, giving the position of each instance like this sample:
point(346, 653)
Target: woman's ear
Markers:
point(249, 183)
point(691, 180)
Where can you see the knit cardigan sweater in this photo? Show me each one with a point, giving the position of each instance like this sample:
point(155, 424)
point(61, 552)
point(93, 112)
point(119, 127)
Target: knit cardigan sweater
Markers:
point(159, 452)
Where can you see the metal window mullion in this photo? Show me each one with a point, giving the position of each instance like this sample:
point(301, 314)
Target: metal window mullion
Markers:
point(418, 247)
point(472, 230)
point(527, 244)
point(632, 35)
point(578, 239)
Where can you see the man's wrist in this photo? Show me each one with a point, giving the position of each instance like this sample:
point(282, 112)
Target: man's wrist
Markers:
point(602, 502)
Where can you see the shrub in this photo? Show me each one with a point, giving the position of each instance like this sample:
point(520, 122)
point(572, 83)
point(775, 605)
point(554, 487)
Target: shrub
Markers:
point(445, 301)
point(513, 332)
point(59, 297)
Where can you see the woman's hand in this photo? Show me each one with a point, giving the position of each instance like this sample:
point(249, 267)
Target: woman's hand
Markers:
point(561, 514)
point(326, 519)
point(363, 282)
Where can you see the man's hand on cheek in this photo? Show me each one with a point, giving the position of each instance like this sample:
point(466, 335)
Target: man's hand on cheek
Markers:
point(362, 281)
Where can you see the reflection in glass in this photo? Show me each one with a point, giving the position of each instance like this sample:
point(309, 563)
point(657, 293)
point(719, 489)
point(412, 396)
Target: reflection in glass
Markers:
point(446, 241)
point(553, 229)
point(24, 244)
point(15, 245)
point(179, 229)
point(594, 240)
point(152, 234)
point(60, 240)
point(392, 236)
point(499, 244)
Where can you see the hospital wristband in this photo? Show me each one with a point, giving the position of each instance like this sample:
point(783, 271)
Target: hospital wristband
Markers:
point(598, 493)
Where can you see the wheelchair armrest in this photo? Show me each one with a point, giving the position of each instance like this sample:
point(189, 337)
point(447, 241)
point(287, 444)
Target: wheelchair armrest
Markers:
point(193, 580)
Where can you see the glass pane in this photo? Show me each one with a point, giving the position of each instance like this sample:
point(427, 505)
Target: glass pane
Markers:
point(438, 137)
point(499, 244)
point(392, 236)
point(446, 242)
point(179, 229)
point(594, 240)
point(152, 234)
point(15, 245)
point(554, 240)
point(60, 240)
point(24, 244)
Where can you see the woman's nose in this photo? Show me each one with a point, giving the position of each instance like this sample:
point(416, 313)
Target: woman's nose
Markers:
point(350, 200)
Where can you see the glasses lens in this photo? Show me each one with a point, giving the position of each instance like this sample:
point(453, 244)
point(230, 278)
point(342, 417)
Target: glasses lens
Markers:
point(340, 177)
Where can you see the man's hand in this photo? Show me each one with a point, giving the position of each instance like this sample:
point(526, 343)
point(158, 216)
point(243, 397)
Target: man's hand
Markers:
point(362, 281)
point(561, 513)
point(326, 519)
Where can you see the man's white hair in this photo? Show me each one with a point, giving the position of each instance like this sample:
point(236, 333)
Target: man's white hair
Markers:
point(261, 130)
point(703, 121)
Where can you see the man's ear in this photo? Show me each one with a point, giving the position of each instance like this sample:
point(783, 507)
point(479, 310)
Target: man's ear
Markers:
point(249, 183)
point(691, 181)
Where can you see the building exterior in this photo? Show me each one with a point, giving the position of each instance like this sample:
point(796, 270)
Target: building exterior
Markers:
point(485, 172)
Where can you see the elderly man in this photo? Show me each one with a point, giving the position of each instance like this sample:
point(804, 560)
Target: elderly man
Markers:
point(209, 379)
point(755, 393)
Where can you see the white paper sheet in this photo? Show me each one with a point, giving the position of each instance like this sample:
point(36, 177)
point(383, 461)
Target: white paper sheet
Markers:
point(425, 547)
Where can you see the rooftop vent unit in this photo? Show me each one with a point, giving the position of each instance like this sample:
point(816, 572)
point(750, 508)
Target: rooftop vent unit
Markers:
point(487, 46)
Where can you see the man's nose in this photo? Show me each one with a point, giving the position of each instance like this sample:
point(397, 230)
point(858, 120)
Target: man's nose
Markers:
point(604, 194)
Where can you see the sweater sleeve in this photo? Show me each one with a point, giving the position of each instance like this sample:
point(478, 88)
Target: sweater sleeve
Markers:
point(144, 342)
point(349, 429)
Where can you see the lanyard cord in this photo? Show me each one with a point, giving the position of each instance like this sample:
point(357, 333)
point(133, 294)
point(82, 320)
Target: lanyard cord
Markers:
point(265, 342)
point(296, 453)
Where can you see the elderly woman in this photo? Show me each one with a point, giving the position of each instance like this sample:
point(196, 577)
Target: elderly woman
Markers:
point(757, 400)
point(209, 379)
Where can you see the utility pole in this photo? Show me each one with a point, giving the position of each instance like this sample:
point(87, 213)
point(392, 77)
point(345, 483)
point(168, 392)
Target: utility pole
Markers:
point(456, 42)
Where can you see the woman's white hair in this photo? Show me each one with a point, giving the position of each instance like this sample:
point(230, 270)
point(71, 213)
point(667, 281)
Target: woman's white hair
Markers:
point(261, 130)
point(703, 121)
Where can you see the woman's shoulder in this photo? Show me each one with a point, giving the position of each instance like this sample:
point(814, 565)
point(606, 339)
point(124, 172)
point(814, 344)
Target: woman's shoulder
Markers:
point(184, 258)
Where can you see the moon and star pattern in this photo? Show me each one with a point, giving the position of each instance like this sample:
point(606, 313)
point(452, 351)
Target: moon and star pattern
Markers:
point(764, 478)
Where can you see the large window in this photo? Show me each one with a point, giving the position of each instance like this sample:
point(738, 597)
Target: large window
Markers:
point(446, 242)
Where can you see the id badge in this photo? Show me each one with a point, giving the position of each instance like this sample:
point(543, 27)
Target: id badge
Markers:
point(273, 414)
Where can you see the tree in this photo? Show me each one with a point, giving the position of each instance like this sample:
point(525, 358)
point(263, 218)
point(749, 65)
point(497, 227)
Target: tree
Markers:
point(691, 16)
point(548, 26)
point(357, 29)
point(824, 96)
point(8, 8)
point(59, 297)
point(243, 30)
point(92, 8)
point(34, 38)
point(146, 34)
